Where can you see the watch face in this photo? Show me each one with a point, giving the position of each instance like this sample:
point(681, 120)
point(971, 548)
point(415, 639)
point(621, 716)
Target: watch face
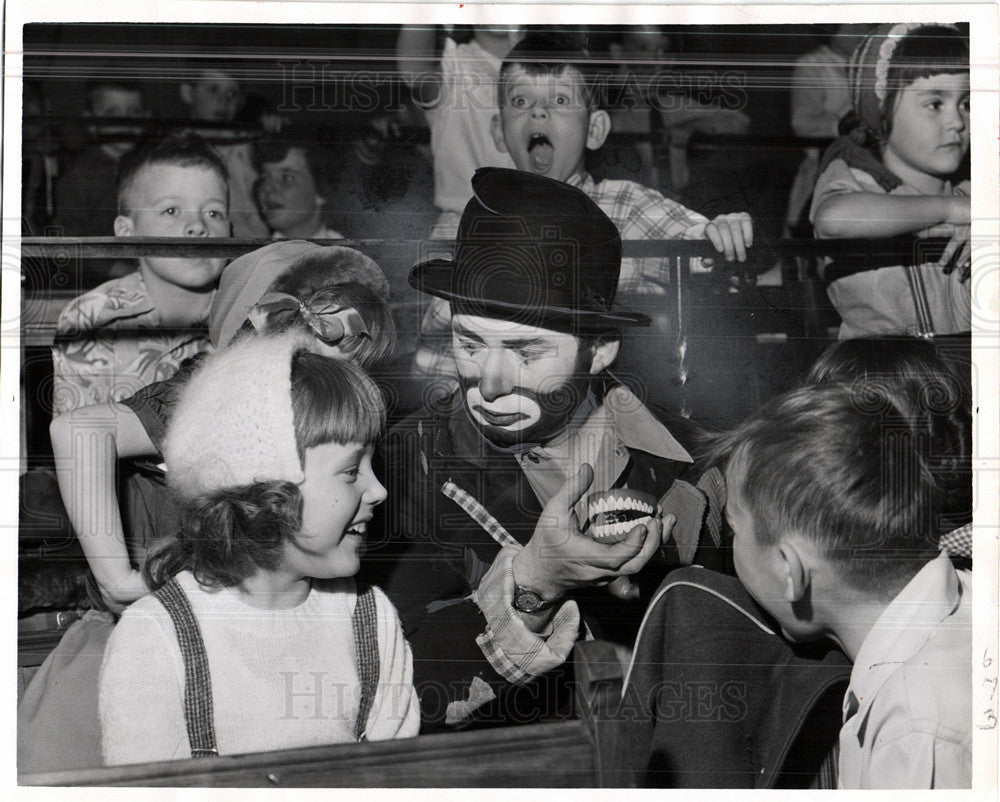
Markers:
point(527, 601)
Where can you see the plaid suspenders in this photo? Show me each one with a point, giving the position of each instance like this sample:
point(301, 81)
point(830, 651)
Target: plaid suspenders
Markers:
point(198, 713)
point(197, 681)
point(366, 652)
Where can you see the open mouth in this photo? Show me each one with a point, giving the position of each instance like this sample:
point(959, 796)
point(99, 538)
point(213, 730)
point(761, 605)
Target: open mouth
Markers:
point(612, 514)
point(541, 153)
point(359, 528)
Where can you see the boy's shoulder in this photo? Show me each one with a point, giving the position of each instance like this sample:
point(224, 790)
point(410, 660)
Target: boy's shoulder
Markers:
point(628, 202)
point(915, 666)
point(122, 297)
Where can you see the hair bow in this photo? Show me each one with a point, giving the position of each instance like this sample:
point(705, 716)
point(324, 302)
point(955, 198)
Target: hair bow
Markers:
point(329, 322)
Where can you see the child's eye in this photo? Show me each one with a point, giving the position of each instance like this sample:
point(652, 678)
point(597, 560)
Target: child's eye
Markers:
point(470, 346)
point(352, 472)
point(519, 102)
point(216, 214)
point(171, 210)
point(562, 100)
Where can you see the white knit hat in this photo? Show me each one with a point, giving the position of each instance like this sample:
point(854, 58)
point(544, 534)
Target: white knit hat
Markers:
point(233, 423)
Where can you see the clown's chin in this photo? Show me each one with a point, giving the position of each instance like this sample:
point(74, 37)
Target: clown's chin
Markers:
point(508, 420)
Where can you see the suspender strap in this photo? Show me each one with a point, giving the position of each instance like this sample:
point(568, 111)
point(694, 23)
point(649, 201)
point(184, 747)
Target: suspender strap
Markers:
point(197, 681)
point(364, 623)
point(925, 325)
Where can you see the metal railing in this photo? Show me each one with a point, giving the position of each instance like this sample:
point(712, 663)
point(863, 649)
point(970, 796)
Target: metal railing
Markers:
point(848, 255)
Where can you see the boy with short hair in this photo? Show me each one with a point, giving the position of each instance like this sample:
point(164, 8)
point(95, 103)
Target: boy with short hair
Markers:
point(214, 95)
point(85, 197)
point(833, 509)
point(137, 329)
point(549, 117)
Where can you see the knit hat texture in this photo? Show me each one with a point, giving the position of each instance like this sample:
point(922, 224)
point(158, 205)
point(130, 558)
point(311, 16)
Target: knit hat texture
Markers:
point(246, 279)
point(869, 69)
point(233, 425)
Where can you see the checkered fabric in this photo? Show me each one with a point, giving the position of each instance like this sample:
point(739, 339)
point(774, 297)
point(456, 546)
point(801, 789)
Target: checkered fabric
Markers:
point(516, 653)
point(958, 542)
point(364, 621)
point(479, 514)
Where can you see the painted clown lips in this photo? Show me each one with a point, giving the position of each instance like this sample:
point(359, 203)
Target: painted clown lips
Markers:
point(612, 514)
point(512, 413)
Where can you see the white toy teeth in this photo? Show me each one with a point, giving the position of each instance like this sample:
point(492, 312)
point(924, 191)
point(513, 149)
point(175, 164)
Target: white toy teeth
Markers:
point(614, 513)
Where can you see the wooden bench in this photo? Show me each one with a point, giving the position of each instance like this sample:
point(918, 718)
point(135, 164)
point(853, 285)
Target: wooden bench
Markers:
point(566, 754)
point(561, 754)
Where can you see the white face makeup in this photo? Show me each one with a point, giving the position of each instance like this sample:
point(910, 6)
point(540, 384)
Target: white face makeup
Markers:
point(521, 382)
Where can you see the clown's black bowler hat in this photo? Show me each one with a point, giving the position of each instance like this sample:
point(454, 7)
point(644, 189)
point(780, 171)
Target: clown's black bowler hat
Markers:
point(534, 251)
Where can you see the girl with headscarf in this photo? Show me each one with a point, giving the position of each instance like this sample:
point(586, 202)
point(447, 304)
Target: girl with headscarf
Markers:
point(892, 175)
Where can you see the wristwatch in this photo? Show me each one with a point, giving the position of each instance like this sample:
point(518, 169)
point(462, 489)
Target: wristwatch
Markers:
point(528, 601)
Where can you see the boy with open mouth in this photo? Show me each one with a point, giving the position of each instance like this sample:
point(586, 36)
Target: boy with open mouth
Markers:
point(549, 116)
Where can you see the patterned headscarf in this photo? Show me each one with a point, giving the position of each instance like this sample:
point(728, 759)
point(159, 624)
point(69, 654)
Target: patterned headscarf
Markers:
point(869, 73)
point(246, 281)
point(874, 80)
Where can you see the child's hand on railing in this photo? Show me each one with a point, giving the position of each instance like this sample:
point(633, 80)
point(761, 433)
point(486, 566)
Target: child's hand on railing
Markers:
point(731, 234)
point(273, 123)
point(957, 254)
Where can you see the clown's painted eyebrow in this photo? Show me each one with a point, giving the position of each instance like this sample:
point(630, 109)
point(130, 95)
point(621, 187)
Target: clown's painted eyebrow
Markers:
point(511, 343)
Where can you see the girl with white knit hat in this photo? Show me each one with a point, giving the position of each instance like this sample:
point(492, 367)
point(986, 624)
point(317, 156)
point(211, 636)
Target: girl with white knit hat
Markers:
point(255, 638)
point(335, 296)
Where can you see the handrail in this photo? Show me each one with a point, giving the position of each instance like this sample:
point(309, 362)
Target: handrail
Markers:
point(419, 134)
point(849, 255)
point(307, 132)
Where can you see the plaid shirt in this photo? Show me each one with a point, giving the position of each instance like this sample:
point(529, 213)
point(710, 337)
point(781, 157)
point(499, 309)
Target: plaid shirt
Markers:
point(639, 213)
point(516, 652)
point(958, 542)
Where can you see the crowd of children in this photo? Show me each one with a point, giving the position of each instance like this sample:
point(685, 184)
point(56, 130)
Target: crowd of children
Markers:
point(224, 558)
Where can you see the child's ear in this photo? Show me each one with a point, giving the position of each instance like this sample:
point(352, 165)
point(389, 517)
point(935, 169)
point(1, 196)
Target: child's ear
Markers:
point(796, 572)
point(598, 129)
point(187, 94)
point(496, 128)
point(124, 227)
point(604, 353)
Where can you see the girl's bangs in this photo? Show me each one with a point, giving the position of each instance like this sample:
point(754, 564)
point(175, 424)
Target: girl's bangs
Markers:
point(334, 401)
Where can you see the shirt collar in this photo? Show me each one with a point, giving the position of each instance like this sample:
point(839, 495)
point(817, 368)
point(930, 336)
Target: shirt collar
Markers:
point(582, 180)
point(127, 298)
point(639, 428)
point(905, 625)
